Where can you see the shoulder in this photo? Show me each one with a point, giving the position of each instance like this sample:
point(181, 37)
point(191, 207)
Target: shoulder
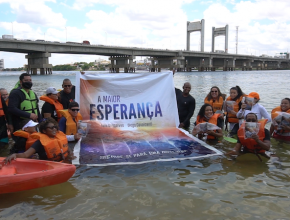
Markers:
point(62, 120)
point(191, 98)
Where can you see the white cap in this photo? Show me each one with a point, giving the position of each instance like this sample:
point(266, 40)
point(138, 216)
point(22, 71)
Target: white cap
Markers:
point(30, 124)
point(51, 90)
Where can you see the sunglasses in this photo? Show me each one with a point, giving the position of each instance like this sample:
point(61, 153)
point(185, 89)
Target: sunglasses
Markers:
point(214, 91)
point(67, 85)
point(52, 127)
point(75, 110)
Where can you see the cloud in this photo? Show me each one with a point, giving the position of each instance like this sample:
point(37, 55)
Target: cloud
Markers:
point(36, 12)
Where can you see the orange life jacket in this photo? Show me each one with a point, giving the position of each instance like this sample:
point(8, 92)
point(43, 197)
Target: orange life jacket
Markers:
point(212, 120)
point(58, 106)
point(231, 117)
point(250, 143)
point(216, 104)
point(24, 134)
point(275, 111)
point(56, 148)
point(1, 108)
point(274, 114)
point(71, 125)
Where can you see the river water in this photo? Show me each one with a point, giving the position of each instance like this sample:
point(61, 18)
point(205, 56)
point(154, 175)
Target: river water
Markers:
point(211, 188)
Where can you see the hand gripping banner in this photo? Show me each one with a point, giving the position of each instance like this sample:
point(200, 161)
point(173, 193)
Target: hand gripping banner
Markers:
point(132, 119)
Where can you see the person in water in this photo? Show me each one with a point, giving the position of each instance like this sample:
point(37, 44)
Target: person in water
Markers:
point(4, 94)
point(69, 123)
point(67, 95)
point(257, 144)
point(206, 114)
point(281, 130)
point(5, 123)
point(186, 106)
point(23, 136)
point(51, 105)
point(236, 96)
point(51, 143)
point(23, 102)
point(216, 99)
point(257, 108)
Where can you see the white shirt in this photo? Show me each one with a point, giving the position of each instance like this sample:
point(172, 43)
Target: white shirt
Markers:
point(258, 109)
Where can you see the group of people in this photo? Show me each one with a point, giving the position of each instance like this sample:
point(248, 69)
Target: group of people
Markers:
point(57, 121)
point(43, 134)
point(233, 113)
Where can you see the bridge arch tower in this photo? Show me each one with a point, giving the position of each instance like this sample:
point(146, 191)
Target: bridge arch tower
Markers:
point(195, 26)
point(223, 31)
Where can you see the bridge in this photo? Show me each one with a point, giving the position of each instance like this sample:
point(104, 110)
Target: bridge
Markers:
point(38, 53)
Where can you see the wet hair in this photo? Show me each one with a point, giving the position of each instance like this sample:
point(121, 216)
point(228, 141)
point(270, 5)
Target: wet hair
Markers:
point(73, 104)
point(21, 77)
point(2, 89)
point(202, 111)
point(239, 91)
point(23, 122)
point(45, 122)
point(251, 113)
point(287, 99)
point(209, 97)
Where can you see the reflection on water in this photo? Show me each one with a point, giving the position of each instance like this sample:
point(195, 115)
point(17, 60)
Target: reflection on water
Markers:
point(210, 188)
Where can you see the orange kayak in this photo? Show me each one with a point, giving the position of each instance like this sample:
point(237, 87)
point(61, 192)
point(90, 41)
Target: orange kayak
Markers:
point(23, 174)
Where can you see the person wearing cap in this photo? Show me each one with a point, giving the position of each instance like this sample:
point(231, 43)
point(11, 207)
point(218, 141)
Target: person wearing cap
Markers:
point(51, 106)
point(24, 140)
point(69, 122)
point(257, 144)
point(257, 108)
point(51, 144)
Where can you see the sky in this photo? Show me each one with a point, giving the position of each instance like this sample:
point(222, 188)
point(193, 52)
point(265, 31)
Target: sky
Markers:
point(263, 25)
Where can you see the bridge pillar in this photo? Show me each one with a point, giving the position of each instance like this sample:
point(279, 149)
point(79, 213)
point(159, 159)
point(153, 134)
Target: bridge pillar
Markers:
point(125, 62)
point(229, 64)
point(38, 61)
point(167, 62)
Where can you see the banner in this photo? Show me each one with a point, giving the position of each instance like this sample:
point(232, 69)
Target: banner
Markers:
point(132, 118)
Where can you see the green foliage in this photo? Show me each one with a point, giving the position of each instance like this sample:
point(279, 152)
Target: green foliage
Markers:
point(14, 69)
point(64, 68)
point(85, 66)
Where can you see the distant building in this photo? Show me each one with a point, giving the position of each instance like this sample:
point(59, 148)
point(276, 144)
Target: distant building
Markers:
point(1, 64)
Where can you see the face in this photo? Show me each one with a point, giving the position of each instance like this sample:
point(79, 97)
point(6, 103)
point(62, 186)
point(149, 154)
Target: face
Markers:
point(67, 86)
point(26, 79)
point(208, 111)
point(4, 94)
point(74, 111)
point(50, 130)
point(285, 105)
point(214, 92)
point(30, 129)
point(233, 93)
point(251, 118)
point(53, 96)
point(186, 88)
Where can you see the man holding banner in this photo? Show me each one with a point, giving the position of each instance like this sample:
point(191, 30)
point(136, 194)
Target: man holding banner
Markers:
point(186, 106)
